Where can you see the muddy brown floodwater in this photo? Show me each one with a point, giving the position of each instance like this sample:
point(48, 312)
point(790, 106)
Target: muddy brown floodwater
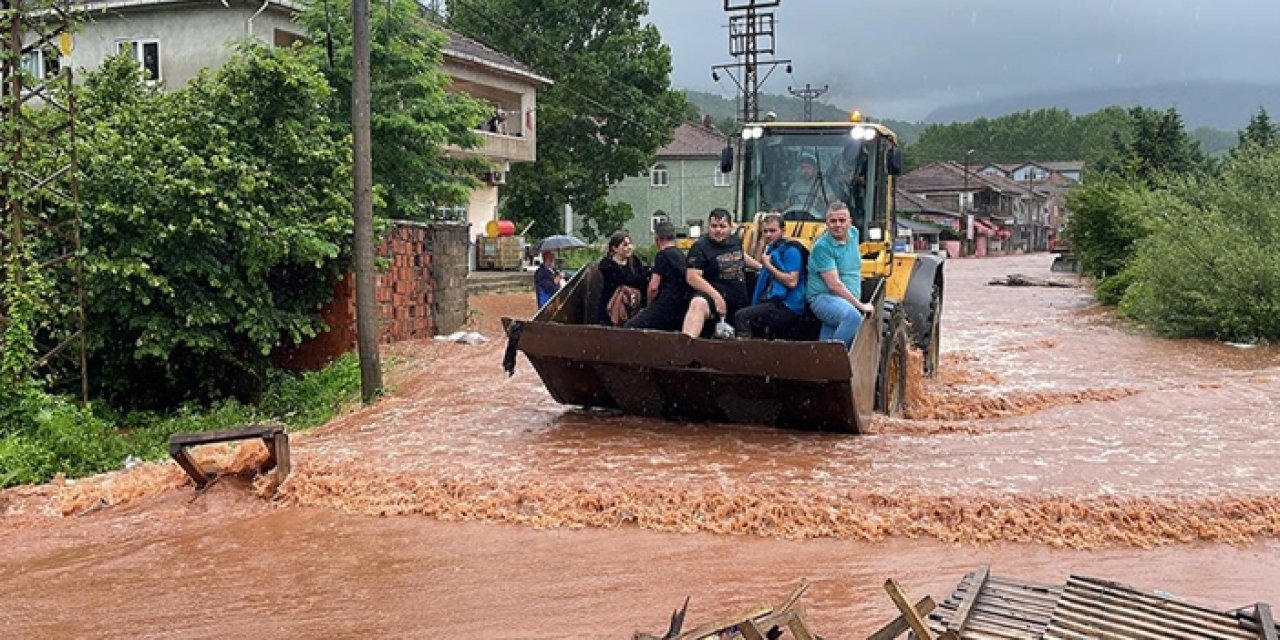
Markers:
point(468, 504)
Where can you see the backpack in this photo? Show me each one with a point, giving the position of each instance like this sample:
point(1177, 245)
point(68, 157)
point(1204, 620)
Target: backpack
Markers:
point(804, 261)
point(804, 253)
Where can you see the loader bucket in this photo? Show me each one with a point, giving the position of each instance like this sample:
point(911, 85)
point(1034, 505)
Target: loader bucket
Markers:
point(795, 384)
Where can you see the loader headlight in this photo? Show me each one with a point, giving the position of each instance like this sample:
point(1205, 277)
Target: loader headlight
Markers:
point(862, 133)
point(752, 133)
point(875, 234)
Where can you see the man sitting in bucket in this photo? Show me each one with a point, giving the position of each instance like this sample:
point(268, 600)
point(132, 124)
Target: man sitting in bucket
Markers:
point(834, 286)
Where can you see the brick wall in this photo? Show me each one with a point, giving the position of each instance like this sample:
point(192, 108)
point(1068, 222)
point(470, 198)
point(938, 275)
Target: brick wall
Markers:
point(421, 291)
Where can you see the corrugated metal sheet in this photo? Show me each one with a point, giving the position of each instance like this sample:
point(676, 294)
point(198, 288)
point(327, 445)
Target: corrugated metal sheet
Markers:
point(986, 607)
point(993, 607)
point(1091, 608)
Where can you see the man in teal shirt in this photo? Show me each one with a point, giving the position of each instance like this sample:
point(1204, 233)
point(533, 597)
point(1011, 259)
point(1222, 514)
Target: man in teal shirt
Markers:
point(834, 284)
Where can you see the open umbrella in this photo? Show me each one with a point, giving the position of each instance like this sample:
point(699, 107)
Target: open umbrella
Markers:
point(558, 242)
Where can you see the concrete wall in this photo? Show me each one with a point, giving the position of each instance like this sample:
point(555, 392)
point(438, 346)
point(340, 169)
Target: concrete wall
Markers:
point(191, 37)
point(422, 292)
point(689, 195)
point(448, 246)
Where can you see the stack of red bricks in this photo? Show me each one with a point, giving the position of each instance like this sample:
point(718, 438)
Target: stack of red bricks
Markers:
point(407, 294)
point(404, 288)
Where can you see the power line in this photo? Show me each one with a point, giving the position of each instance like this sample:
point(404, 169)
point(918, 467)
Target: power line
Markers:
point(750, 35)
point(808, 94)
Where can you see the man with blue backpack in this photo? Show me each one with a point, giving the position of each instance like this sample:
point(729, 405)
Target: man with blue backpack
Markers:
point(778, 301)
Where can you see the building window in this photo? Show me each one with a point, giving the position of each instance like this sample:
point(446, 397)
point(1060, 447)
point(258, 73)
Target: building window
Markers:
point(146, 52)
point(40, 64)
point(656, 219)
point(723, 179)
point(658, 175)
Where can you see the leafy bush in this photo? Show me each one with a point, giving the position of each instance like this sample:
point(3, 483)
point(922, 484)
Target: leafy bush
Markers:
point(1210, 267)
point(1111, 290)
point(61, 438)
point(208, 246)
point(1106, 223)
point(313, 398)
point(65, 438)
point(578, 258)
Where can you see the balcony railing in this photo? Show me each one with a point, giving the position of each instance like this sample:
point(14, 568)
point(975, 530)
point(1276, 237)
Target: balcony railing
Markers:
point(502, 147)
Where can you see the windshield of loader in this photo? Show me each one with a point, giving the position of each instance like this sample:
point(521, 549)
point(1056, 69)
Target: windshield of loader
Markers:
point(799, 173)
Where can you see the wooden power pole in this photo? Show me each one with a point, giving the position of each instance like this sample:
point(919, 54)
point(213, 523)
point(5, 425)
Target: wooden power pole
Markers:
point(367, 333)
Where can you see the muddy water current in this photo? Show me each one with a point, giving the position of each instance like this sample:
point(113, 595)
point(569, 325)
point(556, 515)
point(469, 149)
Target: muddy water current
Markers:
point(1055, 440)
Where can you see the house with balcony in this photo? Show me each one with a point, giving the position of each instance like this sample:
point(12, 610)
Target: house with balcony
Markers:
point(174, 39)
point(683, 185)
point(1011, 216)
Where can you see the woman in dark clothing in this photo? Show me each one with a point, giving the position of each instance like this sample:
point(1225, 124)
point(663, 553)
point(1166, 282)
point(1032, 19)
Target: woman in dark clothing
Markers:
point(620, 268)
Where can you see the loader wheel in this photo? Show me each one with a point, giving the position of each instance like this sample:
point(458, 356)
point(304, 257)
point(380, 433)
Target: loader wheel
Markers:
point(933, 344)
point(891, 378)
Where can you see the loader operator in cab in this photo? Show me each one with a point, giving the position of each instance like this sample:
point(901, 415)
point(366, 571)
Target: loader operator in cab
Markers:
point(834, 286)
point(808, 195)
point(716, 274)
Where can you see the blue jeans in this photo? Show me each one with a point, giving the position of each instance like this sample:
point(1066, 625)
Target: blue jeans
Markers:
point(840, 319)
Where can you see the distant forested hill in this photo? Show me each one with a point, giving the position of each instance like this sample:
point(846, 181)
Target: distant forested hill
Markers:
point(1223, 106)
point(788, 107)
point(1214, 142)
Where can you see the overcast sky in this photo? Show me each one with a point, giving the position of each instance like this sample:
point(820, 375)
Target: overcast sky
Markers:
point(903, 58)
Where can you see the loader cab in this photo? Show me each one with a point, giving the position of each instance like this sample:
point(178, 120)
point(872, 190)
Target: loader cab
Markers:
point(799, 169)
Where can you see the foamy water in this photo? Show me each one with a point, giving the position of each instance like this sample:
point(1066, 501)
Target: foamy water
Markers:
point(1050, 422)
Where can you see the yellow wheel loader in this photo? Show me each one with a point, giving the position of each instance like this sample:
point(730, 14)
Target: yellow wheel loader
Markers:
point(796, 169)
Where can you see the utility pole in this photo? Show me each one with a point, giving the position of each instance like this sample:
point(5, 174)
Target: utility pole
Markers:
point(965, 198)
point(39, 188)
point(751, 34)
point(808, 94)
point(362, 170)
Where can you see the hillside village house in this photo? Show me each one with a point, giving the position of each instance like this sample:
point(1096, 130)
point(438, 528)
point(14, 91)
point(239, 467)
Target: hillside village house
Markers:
point(1008, 215)
point(1037, 171)
point(174, 39)
point(682, 186)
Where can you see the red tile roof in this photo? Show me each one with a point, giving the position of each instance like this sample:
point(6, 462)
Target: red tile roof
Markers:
point(949, 176)
point(907, 202)
point(693, 140)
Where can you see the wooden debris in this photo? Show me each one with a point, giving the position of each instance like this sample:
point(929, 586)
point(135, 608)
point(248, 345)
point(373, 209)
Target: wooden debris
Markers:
point(757, 623)
point(913, 618)
point(899, 625)
point(1019, 280)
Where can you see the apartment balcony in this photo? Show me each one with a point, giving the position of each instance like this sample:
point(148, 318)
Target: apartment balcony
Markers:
point(502, 147)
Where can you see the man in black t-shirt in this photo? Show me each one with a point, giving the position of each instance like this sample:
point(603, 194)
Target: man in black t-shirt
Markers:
point(717, 274)
point(668, 292)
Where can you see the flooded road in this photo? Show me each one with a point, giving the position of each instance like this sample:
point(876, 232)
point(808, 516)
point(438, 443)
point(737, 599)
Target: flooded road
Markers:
point(1056, 440)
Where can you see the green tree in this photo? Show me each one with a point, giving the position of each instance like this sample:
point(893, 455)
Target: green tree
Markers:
point(1105, 224)
point(215, 217)
point(1045, 135)
point(412, 117)
point(610, 109)
point(1260, 132)
point(1155, 144)
point(1209, 266)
